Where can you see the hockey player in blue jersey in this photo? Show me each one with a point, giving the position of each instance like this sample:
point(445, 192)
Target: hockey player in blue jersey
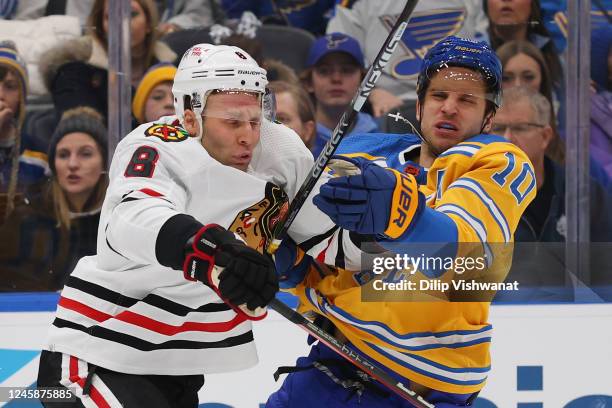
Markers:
point(475, 190)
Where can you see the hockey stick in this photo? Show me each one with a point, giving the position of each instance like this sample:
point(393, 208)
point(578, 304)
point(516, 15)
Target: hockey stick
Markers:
point(347, 119)
point(351, 355)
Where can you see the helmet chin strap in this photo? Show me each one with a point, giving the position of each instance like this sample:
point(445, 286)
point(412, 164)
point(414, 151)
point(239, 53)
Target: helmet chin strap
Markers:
point(433, 150)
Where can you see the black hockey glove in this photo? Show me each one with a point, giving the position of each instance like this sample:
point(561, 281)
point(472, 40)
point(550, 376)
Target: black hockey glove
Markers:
point(245, 279)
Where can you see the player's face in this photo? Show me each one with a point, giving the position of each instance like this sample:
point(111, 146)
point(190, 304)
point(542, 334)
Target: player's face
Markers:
point(509, 12)
point(159, 102)
point(335, 79)
point(138, 24)
point(453, 108)
point(287, 113)
point(78, 164)
point(517, 123)
point(9, 93)
point(231, 128)
point(522, 70)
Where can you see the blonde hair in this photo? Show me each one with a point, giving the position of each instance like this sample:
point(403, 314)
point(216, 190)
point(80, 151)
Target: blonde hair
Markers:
point(19, 116)
point(61, 205)
point(12, 187)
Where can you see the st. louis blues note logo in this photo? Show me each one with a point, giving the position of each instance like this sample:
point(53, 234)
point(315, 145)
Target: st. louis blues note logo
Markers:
point(424, 30)
point(334, 41)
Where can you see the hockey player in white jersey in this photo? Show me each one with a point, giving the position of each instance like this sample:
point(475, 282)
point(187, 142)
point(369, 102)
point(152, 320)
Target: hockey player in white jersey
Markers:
point(139, 323)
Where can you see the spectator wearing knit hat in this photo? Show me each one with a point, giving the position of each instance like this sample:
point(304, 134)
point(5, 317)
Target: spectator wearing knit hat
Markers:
point(49, 236)
point(78, 162)
point(153, 98)
point(21, 164)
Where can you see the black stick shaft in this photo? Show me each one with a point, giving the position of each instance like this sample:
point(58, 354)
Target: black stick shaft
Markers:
point(347, 119)
point(351, 355)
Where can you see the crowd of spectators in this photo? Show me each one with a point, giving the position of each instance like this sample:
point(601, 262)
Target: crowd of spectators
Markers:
point(52, 182)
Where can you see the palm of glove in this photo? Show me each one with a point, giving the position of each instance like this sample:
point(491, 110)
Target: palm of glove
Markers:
point(362, 202)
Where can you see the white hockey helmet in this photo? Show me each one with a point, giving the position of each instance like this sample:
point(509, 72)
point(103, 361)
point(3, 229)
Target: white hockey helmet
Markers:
point(205, 68)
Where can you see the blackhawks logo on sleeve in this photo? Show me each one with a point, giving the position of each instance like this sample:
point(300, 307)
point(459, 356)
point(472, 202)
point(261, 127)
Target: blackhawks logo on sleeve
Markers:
point(167, 133)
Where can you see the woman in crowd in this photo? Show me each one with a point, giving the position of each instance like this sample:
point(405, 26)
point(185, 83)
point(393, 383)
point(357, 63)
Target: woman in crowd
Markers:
point(522, 21)
point(524, 65)
point(50, 235)
point(76, 72)
point(295, 110)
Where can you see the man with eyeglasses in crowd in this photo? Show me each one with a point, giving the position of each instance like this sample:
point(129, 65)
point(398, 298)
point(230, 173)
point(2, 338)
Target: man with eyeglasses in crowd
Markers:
point(523, 119)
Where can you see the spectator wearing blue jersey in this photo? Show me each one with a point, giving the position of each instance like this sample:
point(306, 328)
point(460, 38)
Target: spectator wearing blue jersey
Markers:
point(335, 69)
point(21, 163)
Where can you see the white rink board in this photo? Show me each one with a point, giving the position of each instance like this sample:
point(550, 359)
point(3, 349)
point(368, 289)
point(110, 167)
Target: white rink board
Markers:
point(572, 344)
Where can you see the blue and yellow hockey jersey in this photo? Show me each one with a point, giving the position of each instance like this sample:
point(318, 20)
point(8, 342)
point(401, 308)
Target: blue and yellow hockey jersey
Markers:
point(476, 193)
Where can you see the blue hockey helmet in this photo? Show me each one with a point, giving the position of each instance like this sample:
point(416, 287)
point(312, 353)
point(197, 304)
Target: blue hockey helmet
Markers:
point(460, 52)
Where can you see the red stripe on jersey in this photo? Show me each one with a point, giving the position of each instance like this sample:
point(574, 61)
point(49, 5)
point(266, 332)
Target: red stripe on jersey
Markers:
point(151, 324)
point(321, 256)
point(83, 309)
point(169, 330)
point(150, 192)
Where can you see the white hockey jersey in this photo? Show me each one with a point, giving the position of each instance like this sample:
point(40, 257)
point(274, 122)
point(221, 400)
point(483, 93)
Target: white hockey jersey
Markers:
point(121, 309)
point(370, 21)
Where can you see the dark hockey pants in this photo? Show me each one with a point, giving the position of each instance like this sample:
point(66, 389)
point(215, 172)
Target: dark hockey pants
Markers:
point(98, 387)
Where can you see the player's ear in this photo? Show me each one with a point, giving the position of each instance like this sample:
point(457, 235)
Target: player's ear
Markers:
point(418, 111)
point(191, 124)
point(488, 122)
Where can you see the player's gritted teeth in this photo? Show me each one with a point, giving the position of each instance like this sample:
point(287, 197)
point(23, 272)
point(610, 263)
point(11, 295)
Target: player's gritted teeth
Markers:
point(446, 128)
